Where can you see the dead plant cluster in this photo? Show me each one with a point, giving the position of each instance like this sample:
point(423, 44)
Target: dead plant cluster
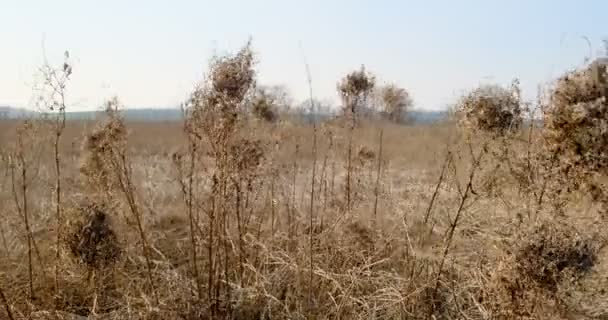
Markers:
point(491, 109)
point(576, 120)
point(91, 239)
point(241, 219)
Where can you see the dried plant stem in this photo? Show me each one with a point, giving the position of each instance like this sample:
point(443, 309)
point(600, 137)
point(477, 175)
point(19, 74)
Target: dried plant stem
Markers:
point(128, 189)
point(349, 168)
point(324, 184)
point(239, 223)
point(188, 192)
point(4, 243)
point(23, 209)
point(429, 209)
point(272, 204)
point(312, 187)
point(7, 306)
point(210, 253)
point(291, 214)
point(450, 235)
point(378, 173)
point(59, 128)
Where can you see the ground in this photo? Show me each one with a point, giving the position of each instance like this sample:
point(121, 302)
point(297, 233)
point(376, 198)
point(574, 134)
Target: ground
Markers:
point(431, 223)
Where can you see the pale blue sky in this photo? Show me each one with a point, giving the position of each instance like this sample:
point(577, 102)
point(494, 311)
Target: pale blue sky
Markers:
point(151, 53)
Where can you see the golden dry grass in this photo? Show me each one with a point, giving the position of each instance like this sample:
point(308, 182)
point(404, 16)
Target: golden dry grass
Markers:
point(223, 216)
point(483, 266)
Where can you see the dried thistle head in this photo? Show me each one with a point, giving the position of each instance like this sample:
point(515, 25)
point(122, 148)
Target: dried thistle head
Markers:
point(214, 107)
point(491, 109)
point(233, 76)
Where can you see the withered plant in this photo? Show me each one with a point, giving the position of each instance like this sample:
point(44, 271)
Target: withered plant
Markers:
point(395, 102)
point(575, 132)
point(215, 112)
point(491, 109)
point(24, 167)
point(354, 90)
point(53, 99)
point(107, 167)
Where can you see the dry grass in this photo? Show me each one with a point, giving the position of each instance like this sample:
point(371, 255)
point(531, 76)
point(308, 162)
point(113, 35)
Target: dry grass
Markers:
point(222, 217)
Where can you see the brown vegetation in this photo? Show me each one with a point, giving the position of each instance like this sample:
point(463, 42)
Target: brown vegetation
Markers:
point(222, 217)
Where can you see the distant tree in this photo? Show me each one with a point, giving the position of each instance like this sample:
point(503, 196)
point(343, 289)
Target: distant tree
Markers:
point(394, 102)
point(313, 110)
point(354, 90)
point(269, 102)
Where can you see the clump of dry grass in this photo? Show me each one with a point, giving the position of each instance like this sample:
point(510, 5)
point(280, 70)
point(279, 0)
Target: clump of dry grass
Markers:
point(91, 239)
point(491, 109)
point(545, 268)
point(551, 251)
point(264, 106)
point(575, 133)
point(97, 167)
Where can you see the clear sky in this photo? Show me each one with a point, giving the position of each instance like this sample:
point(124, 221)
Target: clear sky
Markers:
point(151, 53)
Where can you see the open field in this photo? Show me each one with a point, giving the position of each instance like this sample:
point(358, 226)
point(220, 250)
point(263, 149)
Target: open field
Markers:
point(429, 226)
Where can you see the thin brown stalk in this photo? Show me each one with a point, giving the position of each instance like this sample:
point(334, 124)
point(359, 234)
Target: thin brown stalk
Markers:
point(128, 189)
point(57, 85)
point(378, 173)
point(272, 204)
point(450, 236)
point(7, 306)
point(312, 186)
point(23, 209)
point(239, 222)
point(349, 168)
point(292, 212)
point(188, 193)
point(429, 209)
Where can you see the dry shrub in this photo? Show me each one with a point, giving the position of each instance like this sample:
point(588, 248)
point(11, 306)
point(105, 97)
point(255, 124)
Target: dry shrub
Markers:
point(215, 107)
point(491, 109)
point(576, 129)
point(553, 250)
point(546, 264)
point(90, 238)
point(264, 106)
point(99, 147)
point(395, 102)
point(232, 76)
point(354, 90)
point(366, 154)
point(246, 155)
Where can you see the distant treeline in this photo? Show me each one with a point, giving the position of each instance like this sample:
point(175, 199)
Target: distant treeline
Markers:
point(175, 114)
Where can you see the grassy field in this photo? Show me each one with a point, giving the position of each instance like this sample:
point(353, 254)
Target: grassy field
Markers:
point(429, 226)
point(239, 212)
